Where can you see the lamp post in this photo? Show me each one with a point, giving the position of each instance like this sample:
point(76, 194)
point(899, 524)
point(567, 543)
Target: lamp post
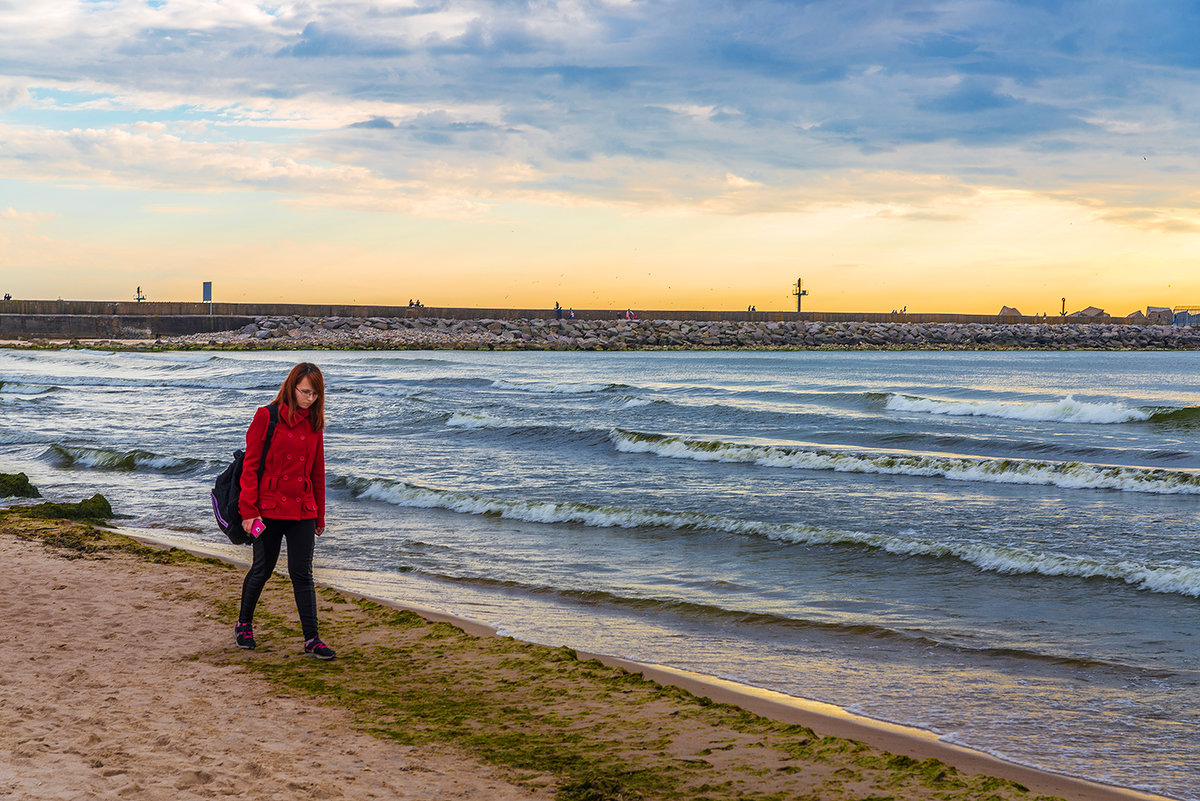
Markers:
point(799, 291)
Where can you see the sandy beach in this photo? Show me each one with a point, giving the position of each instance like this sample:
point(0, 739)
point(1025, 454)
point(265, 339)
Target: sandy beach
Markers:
point(114, 693)
point(126, 684)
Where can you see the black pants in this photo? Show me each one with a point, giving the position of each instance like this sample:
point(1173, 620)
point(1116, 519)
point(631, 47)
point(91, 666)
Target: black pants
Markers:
point(301, 535)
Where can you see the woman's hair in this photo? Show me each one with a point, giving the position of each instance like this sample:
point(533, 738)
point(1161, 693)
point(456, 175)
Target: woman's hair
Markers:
point(287, 393)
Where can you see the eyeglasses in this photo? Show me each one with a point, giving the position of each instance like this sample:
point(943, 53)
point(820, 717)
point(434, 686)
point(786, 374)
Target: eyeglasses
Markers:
point(308, 393)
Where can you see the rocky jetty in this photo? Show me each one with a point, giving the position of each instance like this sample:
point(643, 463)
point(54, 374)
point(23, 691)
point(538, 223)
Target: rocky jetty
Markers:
point(543, 334)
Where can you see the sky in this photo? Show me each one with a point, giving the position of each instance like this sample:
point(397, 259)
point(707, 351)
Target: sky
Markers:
point(944, 157)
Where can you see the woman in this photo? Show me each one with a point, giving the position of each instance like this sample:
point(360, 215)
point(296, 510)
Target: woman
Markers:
point(289, 502)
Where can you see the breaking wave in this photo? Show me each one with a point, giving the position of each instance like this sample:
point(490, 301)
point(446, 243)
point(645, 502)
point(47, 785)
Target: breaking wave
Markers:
point(1186, 417)
point(1165, 578)
point(1069, 475)
point(105, 459)
point(18, 388)
point(582, 388)
point(468, 420)
point(1067, 410)
point(547, 432)
point(408, 388)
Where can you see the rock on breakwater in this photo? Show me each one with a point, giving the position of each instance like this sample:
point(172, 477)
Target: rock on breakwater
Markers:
point(543, 334)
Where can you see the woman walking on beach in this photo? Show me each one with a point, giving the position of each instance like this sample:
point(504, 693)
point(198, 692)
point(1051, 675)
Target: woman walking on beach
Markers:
point(289, 502)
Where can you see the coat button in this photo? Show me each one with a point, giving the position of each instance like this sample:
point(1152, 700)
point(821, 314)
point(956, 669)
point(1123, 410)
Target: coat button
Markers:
point(302, 438)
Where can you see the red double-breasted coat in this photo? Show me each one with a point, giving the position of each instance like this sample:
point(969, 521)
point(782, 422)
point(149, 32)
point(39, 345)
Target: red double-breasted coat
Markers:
point(293, 483)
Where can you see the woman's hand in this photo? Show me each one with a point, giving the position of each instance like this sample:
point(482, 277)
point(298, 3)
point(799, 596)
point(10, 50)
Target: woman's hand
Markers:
point(248, 525)
point(320, 530)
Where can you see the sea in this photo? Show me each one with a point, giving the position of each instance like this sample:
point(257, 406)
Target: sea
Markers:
point(1000, 548)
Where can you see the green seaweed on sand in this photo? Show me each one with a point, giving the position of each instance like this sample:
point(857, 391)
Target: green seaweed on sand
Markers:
point(96, 507)
point(77, 537)
point(16, 485)
point(593, 731)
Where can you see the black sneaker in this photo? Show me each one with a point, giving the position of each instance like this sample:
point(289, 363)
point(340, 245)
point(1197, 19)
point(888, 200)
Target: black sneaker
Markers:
point(320, 650)
point(243, 633)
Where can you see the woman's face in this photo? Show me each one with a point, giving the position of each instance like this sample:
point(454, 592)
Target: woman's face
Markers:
point(305, 396)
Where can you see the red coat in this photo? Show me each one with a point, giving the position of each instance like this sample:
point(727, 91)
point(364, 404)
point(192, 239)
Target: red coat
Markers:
point(293, 484)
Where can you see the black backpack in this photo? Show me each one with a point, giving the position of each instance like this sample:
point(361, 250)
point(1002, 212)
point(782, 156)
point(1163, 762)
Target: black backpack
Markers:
point(228, 489)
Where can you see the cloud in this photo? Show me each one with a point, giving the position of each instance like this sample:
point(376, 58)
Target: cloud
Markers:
point(1154, 220)
point(377, 123)
point(594, 96)
point(920, 215)
point(25, 217)
point(973, 113)
point(496, 39)
point(1161, 33)
point(969, 97)
point(160, 208)
point(937, 45)
point(152, 159)
point(319, 41)
point(157, 160)
point(12, 94)
point(738, 182)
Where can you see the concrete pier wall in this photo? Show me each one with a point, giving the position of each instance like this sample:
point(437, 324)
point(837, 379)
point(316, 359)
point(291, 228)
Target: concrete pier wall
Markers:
point(113, 326)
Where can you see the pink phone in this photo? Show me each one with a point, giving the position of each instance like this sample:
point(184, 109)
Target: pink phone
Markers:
point(257, 528)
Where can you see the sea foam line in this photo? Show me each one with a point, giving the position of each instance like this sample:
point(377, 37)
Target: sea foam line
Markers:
point(469, 420)
point(581, 388)
point(1067, 410)
point(1069, 475)
point(484, 421)
point(1167, 578)
point(26, 389)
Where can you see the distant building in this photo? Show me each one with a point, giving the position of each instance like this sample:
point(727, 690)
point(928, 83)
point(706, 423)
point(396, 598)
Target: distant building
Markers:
point(1136, 317)
point(1187, 315)
point(1009, 311)
point(1090, 311)
point(1159, 314)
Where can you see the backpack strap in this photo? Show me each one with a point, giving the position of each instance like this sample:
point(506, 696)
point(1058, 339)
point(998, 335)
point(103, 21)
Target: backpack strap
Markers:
point(273, 410)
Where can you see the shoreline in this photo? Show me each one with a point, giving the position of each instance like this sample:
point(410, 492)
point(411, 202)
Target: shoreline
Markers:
point(826, 719)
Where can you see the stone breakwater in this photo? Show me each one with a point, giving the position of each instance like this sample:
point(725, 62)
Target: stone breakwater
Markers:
point(543, 334)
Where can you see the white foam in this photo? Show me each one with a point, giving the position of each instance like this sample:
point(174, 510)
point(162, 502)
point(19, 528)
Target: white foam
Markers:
point(583, 388)
point(467, 420)
point(487, 421)
point(1067, 410)
point(1165, 578)
point(382, 391)
point(1070, 475)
